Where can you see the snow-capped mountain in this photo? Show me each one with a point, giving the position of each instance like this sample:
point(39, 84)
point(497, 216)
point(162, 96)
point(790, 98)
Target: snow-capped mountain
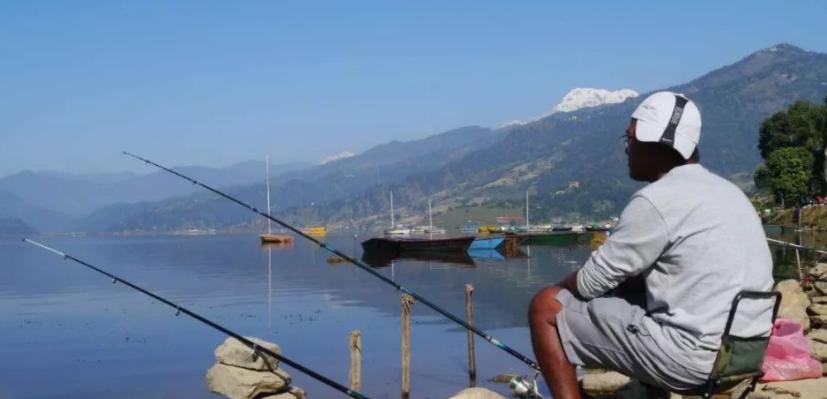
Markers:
point(580, 98)
point(586, 98)
point(336, 157)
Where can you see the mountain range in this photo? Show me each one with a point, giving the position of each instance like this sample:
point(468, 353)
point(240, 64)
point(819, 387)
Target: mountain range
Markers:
point(571, 162)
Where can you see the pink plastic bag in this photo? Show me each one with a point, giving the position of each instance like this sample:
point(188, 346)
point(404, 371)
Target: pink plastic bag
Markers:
point(788, 354)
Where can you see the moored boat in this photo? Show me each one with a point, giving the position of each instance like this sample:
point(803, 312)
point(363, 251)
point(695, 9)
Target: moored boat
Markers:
point(270, 237)
point(398, 246)
point(315, 231)
point(489, 229)
point(275, 238)
point(487, 243)
point(470, 228)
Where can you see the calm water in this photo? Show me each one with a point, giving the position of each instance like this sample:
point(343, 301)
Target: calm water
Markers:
point(67, 332)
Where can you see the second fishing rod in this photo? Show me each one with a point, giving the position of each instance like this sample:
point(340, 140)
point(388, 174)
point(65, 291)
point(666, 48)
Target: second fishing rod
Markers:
point(355, 262)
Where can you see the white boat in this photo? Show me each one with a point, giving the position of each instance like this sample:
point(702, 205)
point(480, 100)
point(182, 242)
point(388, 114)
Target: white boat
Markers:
point(394, 230)
point(430, 229)
point(270, 237)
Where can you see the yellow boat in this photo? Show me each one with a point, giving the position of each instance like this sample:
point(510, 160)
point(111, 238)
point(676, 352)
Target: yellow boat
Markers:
point(489, 229)
point(316, 231)
point(276, 239)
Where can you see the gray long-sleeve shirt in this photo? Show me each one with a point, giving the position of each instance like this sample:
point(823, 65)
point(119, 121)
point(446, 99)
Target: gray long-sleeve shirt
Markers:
point(697, 241)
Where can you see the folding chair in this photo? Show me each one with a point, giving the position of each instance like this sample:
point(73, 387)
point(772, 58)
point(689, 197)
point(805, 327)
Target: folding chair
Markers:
point(739, 358)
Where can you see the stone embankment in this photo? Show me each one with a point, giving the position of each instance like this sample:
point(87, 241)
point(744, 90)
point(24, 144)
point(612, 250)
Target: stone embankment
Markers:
point(805, 303)
point(239, 374)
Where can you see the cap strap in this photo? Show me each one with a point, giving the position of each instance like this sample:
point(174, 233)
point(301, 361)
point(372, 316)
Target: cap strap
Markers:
point(668, 136)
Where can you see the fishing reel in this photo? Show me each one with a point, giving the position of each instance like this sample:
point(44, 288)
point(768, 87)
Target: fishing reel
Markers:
point(523, 388)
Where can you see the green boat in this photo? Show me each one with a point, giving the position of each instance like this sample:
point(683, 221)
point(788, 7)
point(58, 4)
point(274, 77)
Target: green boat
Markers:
point(553, 238)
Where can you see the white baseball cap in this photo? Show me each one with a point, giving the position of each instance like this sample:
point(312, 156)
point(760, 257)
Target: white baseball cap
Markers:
point(671, 119)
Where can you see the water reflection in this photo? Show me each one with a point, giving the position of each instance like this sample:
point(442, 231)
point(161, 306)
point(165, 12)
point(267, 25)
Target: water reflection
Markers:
point(59, 316)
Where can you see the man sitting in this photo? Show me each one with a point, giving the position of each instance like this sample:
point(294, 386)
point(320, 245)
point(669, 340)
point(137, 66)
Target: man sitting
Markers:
point(695, 241)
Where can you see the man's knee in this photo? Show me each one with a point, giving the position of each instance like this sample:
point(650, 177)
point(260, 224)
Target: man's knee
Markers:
point(545, 305)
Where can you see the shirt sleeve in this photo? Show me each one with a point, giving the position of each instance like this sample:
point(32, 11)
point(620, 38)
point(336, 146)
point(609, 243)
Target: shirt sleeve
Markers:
point(635, 244)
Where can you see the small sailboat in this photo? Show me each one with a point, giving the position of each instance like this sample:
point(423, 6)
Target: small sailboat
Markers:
point(430, 229)
point(396, 231)
point(270, 237)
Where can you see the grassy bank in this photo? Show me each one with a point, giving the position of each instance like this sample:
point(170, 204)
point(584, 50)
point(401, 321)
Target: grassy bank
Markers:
point(813, 218)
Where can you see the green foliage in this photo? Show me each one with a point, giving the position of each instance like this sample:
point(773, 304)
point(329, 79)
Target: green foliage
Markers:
point(784, 139)
point(799, 126)
point(789, 172)
point(762, 177)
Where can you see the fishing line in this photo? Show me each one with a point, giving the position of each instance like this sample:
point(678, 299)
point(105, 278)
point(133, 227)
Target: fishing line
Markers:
point(355, 262)
point(180, 309)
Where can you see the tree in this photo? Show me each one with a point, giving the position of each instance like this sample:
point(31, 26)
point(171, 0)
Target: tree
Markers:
point(803, 125)
point(789, 174)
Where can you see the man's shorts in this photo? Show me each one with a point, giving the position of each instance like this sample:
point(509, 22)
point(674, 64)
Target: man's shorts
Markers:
point(611, 333)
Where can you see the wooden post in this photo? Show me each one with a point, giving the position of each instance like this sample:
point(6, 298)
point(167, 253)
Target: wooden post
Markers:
point(407, 301)
point(355, 360)
point(798, 264)
point(469, 315)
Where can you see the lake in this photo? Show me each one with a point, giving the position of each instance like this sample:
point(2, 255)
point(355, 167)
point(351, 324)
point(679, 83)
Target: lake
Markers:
point(68, 332)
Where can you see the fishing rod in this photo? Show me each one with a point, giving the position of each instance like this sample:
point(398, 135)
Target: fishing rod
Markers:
point(356, 263)
point(789, 244)
point(180, 309)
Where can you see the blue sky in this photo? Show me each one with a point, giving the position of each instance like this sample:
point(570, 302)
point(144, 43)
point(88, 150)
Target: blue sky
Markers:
point(214, 83)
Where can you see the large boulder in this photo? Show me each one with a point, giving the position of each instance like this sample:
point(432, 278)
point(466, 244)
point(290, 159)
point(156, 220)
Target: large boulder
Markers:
point(794, 302)
point(819, 350)
point(819, 335)
point(802, 389)
point(602, 384)
point(233, 353)
point(819, 271)
point(821, 287)
point(241, 383)
point(477, 393)
point(817, 309)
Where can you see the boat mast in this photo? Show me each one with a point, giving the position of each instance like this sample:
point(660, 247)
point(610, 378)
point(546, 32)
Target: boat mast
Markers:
point(526, 210)
point(430, 219)
point(267, 163)
point(393, 224)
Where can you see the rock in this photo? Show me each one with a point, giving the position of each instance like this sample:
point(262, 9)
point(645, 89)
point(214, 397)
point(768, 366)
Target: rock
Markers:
point(819, 299)
point(817, 309)
point(819, 321)
point(477, 393)
point(820, 270)
point(502, 378)
point(603, 383)
point(794, 302)
point(233, 353)
point(819, 335)
point(821, 287)
point(818, 350)
point(814, 388)
point(293, 393)
point(240, 383)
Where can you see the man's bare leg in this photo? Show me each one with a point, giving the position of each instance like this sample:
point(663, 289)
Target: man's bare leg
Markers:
point(558, 372)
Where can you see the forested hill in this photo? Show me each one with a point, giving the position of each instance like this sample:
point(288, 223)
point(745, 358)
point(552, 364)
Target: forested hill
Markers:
point(574, 164)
